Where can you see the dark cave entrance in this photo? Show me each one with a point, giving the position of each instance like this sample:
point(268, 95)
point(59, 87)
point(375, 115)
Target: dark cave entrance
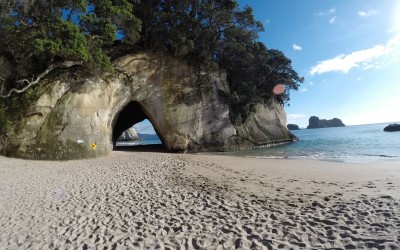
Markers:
point(130, 115)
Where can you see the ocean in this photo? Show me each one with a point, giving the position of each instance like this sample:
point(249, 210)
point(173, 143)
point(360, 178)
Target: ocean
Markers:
point(361, 143)
point(138, 143)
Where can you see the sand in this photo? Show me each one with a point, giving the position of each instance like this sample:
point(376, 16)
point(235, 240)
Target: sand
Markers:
point(142, 200)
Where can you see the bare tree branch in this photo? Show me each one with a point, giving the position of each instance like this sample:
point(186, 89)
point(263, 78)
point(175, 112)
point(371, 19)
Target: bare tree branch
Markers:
point(64, 65)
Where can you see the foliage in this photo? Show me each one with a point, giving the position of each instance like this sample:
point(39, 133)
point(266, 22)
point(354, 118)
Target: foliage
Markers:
point(36, 33)
point(17, 106)
point(315, 122)
point(208, 33)
point(218, 32)
point(197, 29)
point(252, 74)
point(5, 122)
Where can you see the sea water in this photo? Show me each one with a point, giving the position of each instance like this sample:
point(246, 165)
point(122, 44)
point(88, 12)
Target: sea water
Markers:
point(361, 143)
point(138, 143)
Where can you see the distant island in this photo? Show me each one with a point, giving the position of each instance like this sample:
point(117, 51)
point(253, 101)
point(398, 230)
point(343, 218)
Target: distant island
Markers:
point(315, 122)
point(293, 127)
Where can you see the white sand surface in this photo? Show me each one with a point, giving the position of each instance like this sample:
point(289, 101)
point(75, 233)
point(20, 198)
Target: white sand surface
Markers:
point(138, 200)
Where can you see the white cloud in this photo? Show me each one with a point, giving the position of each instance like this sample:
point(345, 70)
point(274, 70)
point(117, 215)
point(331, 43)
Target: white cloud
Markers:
point(367, 13)
point(376, 57)
point(359, 78)
point(344, 63)
point(296, 116)
point(333, 20)
point(303, 90)
point(324, 13)
point(297, 47)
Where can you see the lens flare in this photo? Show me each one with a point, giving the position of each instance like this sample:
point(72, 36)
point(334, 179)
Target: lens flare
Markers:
point(279, 89)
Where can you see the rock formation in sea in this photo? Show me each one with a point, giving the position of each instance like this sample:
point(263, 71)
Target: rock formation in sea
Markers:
point(293, 127)
point(128, 135)
point(81, 116)
point(392, 128)
point(315, 122)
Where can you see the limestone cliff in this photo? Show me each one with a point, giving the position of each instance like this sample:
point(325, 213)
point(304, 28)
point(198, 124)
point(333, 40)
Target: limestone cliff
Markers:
point(82, 117)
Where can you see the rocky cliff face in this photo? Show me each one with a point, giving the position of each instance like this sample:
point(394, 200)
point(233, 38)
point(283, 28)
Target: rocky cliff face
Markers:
point(82, 118)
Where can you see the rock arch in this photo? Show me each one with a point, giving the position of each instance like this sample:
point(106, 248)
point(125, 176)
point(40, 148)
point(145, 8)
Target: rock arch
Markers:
point(75, 118)
point(130, 115)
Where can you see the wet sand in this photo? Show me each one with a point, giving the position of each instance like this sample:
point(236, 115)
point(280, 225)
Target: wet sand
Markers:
point(139, 200)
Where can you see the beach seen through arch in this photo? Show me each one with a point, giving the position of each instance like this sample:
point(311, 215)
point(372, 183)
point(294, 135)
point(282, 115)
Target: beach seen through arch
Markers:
point(134, 116)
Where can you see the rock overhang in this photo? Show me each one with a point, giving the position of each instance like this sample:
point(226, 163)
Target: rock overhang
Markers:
point(79, 122)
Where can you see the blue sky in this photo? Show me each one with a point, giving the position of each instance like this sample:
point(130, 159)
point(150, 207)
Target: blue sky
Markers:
point(348, 51)
point(144, 127)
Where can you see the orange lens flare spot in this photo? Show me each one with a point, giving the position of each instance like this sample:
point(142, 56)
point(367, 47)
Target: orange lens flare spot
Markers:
point(279, 89)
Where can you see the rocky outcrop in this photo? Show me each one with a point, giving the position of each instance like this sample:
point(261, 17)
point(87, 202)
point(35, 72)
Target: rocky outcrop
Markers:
point(81, 117)
point(128, 135)
point(392, 128)
point(293, 127)
point(315, 122)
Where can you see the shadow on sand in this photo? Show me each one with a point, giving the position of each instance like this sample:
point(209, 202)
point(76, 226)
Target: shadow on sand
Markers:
point(143, 148)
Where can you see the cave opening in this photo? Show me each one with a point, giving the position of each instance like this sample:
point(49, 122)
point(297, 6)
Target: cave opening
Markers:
point(134, 114)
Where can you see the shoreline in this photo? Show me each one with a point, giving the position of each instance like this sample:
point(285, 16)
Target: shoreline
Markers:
point(153, 200)
point(310, 169)
point(383, 159)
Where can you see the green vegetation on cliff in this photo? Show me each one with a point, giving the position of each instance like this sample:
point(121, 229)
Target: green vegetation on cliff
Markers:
point(315, 122)
point(293, 127)
point(40, 36)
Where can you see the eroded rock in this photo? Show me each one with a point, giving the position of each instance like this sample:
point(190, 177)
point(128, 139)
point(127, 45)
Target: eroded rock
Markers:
point(128, 135)
point(81, 118)
point(392, 128)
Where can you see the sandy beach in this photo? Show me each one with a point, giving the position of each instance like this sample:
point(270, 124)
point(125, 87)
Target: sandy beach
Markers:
point(143, 200)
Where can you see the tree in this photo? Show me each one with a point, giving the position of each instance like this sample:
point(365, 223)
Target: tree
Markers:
point(195, 29)
point(212, 33)
point(252, 74)
point(39, 36)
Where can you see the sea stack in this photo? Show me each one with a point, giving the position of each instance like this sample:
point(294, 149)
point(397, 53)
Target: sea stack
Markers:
point(293, 127)
point(315, 122)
